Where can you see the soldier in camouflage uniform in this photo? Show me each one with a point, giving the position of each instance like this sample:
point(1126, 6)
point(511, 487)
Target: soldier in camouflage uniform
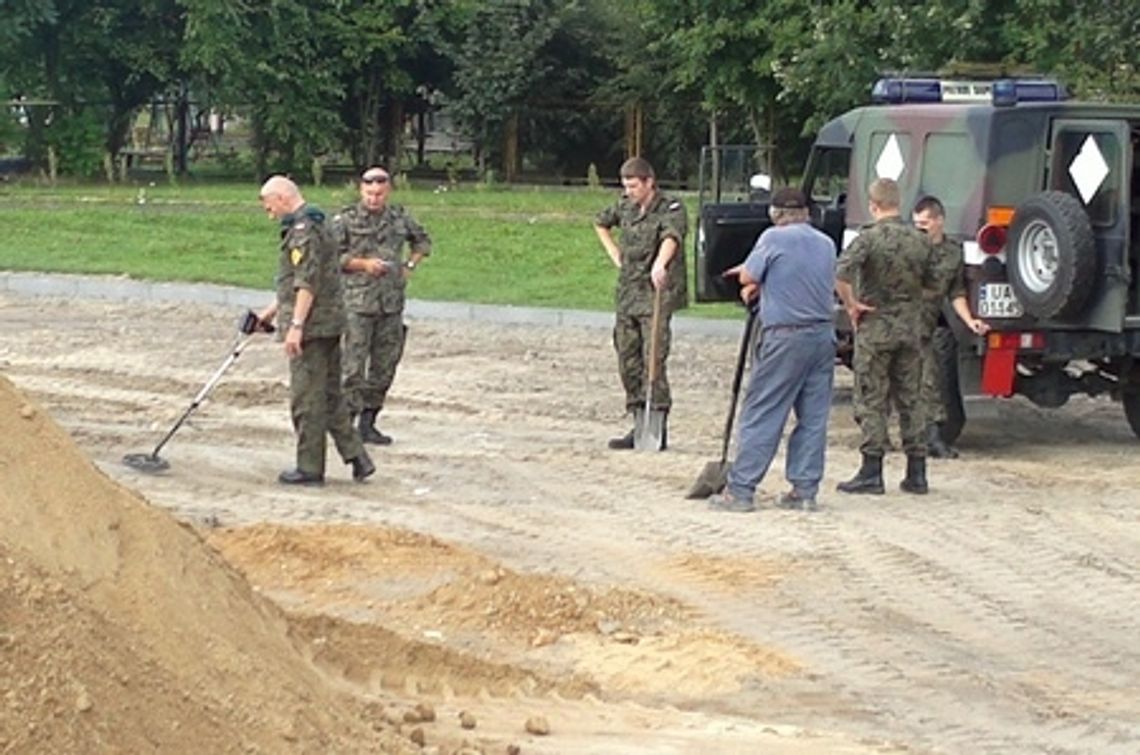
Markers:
point(371, 235)
point(881, 277)
point(649, 259)
point(949, 284)
point(311, 318)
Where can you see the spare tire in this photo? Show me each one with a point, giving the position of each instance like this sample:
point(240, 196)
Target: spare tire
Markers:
point(1051, 256)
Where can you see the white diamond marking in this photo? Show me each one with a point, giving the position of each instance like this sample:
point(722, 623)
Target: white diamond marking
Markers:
point(1088, 169)
point(890, 163)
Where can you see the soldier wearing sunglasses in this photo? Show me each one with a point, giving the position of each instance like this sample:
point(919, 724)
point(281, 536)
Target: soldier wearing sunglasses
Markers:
point(371, 235)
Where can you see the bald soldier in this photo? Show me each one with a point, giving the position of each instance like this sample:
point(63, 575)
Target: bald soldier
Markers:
point(310, 314)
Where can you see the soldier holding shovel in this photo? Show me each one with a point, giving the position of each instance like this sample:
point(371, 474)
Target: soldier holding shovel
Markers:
point(651, 286)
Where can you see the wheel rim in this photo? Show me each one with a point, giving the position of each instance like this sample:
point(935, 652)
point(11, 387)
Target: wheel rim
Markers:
point(1037, 256)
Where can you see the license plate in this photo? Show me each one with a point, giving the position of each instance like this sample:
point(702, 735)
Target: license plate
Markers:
point(998, 300)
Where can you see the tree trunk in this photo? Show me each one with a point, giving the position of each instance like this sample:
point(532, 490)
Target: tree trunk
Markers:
point(511, 148)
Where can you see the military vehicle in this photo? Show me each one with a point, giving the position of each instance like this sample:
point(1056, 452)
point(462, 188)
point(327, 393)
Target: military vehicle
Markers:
point(1044, 193)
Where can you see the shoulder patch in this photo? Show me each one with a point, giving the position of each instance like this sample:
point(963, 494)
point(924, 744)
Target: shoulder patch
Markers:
point(296, 255)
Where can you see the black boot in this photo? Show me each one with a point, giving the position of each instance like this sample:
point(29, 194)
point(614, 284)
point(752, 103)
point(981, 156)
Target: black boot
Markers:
point(935, 445)
point(368, 431)
point(869, 478)
point(664, 431)
point(915, 480)
point(297, 477)
point(622, 443)
point(362, 466)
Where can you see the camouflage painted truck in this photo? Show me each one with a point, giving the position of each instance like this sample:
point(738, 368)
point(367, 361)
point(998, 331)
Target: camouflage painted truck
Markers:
point(1043, 191)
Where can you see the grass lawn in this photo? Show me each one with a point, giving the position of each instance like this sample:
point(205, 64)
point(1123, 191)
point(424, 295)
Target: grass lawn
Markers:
point(522, 246)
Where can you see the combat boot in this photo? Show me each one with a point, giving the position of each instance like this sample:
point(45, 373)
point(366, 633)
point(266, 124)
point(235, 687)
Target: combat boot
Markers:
point(362, 466)
point(622, 443)
point(915, 480)
point(869, 478)
point(935, 445)
point(368, 431)
point(297, 477)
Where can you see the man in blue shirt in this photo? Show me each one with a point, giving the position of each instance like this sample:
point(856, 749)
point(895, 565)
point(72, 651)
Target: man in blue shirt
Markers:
point(792, 272)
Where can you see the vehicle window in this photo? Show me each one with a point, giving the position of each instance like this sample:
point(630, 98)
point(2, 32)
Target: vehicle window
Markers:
point(829, 179)
point(1087, 165)
point(949, 171)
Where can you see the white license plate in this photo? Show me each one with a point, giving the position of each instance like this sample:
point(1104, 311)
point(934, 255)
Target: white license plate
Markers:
point(998, 300)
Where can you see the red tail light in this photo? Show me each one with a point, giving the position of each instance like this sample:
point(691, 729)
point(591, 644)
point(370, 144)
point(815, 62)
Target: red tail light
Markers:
point(991, 238)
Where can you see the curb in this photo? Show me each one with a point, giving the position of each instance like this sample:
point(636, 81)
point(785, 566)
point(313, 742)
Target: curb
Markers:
point(122, 288)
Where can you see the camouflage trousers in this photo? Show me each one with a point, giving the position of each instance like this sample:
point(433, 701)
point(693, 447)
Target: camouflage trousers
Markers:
point(373, 346)
point(632, 342)
point(932, 378)
point(884, 372)
point(318, 407)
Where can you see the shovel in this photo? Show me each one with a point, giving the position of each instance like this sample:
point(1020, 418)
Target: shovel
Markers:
point(714, 476)
point(649, 423)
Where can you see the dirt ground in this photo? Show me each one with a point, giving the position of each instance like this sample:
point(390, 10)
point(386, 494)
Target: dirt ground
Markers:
point(503, 564)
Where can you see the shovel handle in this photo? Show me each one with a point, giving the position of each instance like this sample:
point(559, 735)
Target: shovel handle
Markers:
point(737, 379)
point(654, 338)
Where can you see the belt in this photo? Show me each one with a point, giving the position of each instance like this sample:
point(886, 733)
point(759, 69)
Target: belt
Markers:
point(797, 326)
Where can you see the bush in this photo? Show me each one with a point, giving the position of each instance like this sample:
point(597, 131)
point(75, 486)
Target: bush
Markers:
point(77, 139)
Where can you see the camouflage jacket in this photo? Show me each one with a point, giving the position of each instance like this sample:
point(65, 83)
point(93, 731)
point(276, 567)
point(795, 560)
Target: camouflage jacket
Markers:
point(309, 260)
point(641, 237)
point(889, 265)
point(949, 279)
point(377, 235)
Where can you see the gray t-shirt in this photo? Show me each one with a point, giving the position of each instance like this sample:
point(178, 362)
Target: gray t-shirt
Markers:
point(795, 265)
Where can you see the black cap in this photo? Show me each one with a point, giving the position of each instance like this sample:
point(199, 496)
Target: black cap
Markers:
point(789, 198)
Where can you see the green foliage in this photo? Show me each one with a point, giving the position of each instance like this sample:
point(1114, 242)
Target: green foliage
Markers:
point(78, 143)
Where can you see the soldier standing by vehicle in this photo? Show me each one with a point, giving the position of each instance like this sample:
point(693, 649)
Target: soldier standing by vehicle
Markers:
point(371, 236)
point(881, 277)
point(649, 260)
point(950, 284)
point(311, 316)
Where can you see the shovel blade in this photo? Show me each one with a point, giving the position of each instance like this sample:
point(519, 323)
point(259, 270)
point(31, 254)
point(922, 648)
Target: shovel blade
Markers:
point(712, 479)
point(649, 430)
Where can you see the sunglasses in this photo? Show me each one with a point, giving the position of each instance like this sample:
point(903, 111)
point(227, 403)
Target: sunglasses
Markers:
point(374, 180)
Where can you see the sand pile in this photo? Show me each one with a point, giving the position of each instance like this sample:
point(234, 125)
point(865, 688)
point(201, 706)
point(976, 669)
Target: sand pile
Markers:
point(120, 630)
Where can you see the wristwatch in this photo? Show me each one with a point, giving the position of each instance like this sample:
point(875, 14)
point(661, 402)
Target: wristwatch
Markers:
point(410, 264)
point(298, 324)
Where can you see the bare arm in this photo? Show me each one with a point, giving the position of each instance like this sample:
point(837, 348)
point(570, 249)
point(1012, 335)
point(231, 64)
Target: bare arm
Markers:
point(611, 247)
point(301, 308)
point(962, 309)
point(855, 308)
point(665, 254)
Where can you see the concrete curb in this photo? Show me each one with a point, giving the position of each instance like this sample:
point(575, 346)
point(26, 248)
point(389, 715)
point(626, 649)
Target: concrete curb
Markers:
point(122, 288)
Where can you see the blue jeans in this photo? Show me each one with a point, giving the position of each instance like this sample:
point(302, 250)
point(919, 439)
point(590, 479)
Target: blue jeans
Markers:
point(793, 369)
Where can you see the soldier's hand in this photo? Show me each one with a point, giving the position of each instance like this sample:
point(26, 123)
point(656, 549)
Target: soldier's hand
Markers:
point(979, 327)
point(293, 343)
point(376, 268)
point(659, 275)
point(251, 322)
point(855, 312)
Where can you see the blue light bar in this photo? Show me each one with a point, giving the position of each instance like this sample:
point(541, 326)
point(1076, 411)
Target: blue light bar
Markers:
point(896, 91)
point(1002, 92)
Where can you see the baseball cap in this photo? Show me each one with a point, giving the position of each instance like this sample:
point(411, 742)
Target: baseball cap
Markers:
point(789, 198)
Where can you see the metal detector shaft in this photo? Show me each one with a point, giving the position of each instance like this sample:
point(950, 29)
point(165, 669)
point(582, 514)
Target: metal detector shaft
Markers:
point(239, 345)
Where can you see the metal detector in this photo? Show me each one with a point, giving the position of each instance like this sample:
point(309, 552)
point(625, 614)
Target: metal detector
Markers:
point(151, 463)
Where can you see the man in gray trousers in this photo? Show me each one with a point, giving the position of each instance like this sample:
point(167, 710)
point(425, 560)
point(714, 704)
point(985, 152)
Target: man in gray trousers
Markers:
point(792, 271)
